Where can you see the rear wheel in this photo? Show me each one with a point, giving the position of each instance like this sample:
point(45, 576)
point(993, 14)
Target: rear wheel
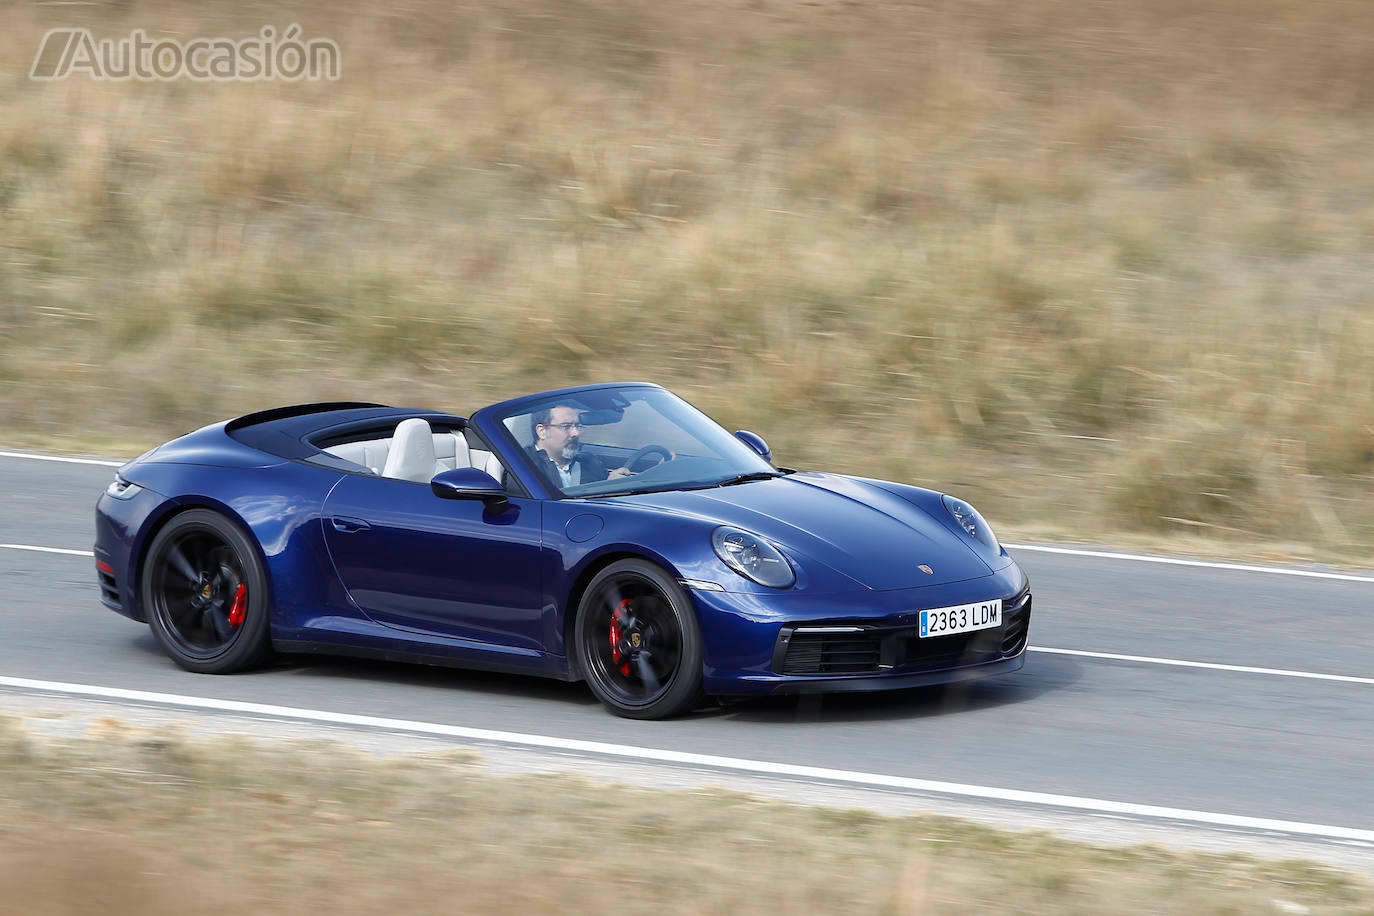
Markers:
point(205, 594)
point(637, 642)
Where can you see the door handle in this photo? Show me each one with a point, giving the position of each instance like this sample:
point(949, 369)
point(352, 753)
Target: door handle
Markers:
point(349, 525)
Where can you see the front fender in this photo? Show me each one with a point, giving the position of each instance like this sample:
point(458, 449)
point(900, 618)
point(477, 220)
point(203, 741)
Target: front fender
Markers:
point(580, 534)
point(931, 503)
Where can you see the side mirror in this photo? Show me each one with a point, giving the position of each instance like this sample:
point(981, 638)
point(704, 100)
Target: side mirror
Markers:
point(469, 483)
point(755, 442)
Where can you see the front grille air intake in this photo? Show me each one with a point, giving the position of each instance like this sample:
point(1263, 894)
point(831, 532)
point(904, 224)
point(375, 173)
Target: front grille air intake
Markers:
point(109, 588)
point(821, 651)
point(1016, 624)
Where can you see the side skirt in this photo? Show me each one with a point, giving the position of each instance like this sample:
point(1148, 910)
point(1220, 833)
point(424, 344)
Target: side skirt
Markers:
point(554, 667)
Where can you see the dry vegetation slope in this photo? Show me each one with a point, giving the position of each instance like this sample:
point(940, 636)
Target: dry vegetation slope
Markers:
point(128, 821)
point(1102, 265)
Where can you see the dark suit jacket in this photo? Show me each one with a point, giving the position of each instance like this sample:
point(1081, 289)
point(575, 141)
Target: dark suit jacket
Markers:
point(593, 468)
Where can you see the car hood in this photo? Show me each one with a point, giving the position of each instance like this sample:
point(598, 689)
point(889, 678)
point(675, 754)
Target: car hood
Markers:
point(861, 531)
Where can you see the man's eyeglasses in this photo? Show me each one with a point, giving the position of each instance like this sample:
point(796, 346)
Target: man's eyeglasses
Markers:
point(566, 427)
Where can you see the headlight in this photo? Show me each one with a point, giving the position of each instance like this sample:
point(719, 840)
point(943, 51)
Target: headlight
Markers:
point(752, 557)
point(120, 488)
point(969, 519)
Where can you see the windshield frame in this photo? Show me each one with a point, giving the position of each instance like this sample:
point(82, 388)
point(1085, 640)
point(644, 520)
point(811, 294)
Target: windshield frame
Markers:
point(491, 421)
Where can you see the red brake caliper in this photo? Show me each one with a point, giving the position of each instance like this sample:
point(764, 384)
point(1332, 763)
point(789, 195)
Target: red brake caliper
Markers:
point(239, 607)
point(617, 618)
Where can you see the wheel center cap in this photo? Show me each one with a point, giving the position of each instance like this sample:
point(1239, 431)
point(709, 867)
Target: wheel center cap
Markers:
point(206, 591)
point(635, 640)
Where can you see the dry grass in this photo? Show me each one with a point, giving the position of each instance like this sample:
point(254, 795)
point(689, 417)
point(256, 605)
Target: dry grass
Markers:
point(129, 821)
point(1100, 265)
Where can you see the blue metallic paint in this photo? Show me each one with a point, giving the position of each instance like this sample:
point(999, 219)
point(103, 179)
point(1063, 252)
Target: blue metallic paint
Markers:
point(756, 442)
point(438, 566)
point(454, 582)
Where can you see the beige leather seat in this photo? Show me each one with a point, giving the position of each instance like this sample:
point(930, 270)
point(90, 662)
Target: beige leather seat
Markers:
point(370, 454)
point(404, 456)
point(450, 451)
point(487, 461)
point(412, 455)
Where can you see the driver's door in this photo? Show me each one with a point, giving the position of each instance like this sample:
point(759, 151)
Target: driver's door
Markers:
point(415, 561)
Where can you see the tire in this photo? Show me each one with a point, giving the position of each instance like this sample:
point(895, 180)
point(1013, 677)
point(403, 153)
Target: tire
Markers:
point(193, 619)
point(654, 670)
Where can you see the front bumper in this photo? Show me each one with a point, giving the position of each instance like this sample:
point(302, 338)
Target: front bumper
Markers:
point(117, 525)
point(874, 682)
point(862, 641)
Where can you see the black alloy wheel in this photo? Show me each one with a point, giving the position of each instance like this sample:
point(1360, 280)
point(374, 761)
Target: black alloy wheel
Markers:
point(637, 642)
point(204, 594)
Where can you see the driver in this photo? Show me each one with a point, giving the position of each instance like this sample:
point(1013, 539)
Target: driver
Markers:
point(557, 449)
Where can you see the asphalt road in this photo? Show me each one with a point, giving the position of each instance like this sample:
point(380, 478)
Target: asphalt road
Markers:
point(1251, 744)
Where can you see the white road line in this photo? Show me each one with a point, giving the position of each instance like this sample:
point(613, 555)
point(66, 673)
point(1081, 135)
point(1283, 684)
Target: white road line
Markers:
point(63, 458)
point(74, 553)
point(1173, 561)
point(1111, 656)
point(1179, 663)
point(735, 764)
point(1067, 551)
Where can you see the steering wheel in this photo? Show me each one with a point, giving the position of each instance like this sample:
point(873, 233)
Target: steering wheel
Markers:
point(649, 449)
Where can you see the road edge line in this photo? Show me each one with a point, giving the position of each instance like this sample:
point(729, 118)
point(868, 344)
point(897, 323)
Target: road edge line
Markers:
point(732, 764)
point(64, 458)
point(1067, 551)
point(1178, 561)
point(61, 550)
point(1214, 666)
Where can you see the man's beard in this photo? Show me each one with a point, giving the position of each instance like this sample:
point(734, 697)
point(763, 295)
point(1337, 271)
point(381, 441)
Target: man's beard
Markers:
point(570, 450)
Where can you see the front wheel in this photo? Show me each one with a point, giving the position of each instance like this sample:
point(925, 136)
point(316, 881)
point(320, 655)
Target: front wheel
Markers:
point(637, 642)
point(205, 596)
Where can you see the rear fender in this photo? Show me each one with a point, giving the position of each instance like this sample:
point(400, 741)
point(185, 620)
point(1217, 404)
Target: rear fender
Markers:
point(279, 507)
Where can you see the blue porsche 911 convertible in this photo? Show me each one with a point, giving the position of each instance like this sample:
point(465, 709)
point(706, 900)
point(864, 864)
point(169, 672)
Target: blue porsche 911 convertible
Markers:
point(610, 533)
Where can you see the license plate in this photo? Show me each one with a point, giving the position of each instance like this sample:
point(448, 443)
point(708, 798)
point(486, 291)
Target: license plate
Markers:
point(946, 620)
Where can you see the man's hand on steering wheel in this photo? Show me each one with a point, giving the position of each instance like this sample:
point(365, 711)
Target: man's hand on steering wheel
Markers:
point(666, 455)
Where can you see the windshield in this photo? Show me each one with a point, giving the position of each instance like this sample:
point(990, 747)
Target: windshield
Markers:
point(628, 440)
